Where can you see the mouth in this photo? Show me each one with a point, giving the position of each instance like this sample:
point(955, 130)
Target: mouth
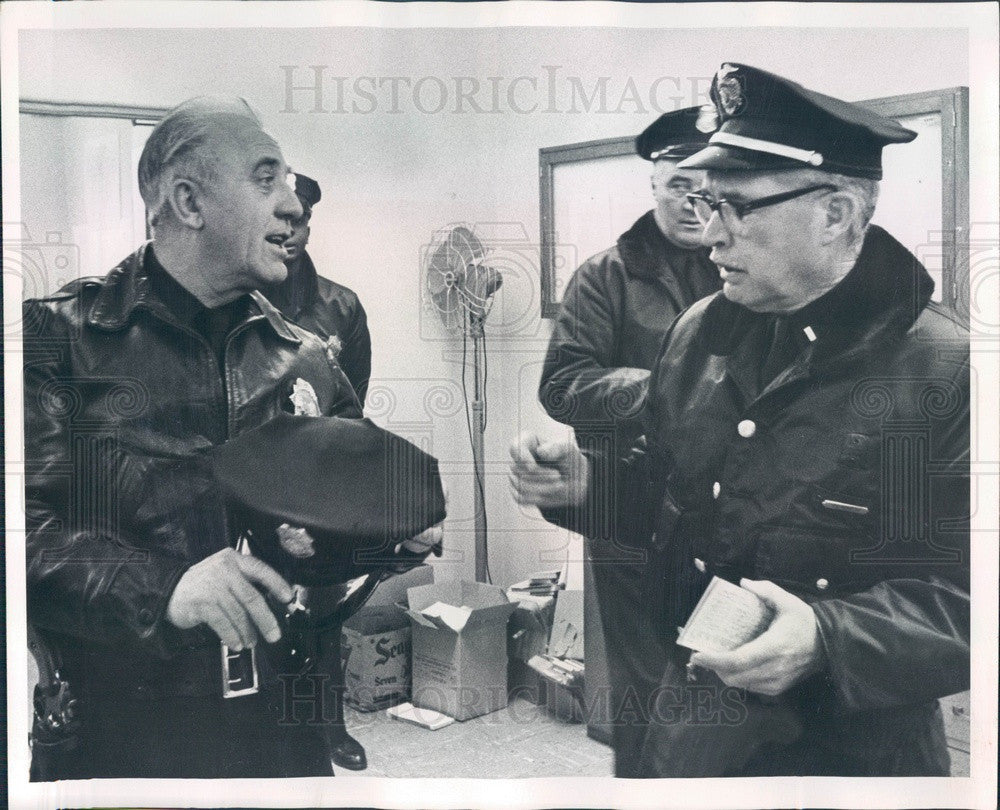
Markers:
point(278, 240)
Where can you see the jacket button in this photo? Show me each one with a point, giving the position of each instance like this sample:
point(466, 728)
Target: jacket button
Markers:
point(700, 565)
point(822, 583)
point(716, 490)
point(146, 616)
point(746, 428)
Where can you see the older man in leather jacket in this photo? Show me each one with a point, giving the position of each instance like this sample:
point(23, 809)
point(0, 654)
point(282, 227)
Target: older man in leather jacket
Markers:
point(808, 438)
point(129, 380)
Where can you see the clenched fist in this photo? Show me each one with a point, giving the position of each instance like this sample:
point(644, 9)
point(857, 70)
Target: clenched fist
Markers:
point(548, 475)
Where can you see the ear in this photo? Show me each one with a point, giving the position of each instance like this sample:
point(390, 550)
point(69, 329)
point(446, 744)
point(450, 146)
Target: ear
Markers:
point(839, 216)
point(185, 203)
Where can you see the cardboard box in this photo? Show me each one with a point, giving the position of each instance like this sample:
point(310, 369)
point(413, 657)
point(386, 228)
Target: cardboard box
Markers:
point(530, 626)
point(459, 647)
point(392, 591)
point(524, 682)
point(567, 637)
point(564, 702)
point(375, 647)
point(564, 684)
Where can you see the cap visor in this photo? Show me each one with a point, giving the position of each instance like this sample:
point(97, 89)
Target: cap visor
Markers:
point(734, 158)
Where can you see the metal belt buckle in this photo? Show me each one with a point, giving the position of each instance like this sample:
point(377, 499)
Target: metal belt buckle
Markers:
point(239, 672)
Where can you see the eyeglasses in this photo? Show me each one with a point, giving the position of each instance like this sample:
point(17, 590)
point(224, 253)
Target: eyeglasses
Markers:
point(705, 204)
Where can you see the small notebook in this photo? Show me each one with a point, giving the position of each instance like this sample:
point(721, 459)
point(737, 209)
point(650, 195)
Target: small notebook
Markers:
point(726, 617)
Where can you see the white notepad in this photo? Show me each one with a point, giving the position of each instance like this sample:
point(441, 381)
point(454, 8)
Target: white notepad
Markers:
point(726, 617)
point(425, 718)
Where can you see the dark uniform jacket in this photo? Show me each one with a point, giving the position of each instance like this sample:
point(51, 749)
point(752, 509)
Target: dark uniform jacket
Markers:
point(334, 313)
point(614, 314)
point(844, 479)
point(122, 401)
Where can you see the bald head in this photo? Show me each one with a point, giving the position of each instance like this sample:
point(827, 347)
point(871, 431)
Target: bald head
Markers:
point(185, 143)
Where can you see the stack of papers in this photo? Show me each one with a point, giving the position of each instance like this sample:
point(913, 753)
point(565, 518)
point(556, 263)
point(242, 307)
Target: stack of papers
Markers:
point(454, 617)
point(541, 583)
point(564, 672)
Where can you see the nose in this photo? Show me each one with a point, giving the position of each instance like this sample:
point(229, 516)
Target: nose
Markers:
point(288, 205)
point(715, 233)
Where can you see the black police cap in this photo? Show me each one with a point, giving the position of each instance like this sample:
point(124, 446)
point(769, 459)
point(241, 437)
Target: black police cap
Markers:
point(357, 489)
point(767, 123)
point(676, 135)
point(308, 191)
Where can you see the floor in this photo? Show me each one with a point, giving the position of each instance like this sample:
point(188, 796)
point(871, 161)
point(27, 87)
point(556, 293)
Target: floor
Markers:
point(522, 740)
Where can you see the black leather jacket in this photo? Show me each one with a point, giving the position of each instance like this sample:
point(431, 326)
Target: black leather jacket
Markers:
point(844, 480)
point(121, 402)
point(333, 312)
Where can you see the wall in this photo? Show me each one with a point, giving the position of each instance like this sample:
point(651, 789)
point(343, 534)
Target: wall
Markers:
point(395, 170)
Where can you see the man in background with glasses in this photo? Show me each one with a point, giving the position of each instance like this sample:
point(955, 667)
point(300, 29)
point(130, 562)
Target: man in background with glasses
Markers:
point(808, 440)
point(614, 314)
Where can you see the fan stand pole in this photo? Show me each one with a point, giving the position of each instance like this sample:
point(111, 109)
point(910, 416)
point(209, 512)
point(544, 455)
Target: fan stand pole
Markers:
point(478, 430)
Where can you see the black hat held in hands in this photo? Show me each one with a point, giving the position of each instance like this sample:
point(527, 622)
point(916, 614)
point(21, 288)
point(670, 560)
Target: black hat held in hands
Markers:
point(358, 491)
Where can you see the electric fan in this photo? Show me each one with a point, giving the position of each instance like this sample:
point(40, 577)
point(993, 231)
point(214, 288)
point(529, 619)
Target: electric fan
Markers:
point(460, 287)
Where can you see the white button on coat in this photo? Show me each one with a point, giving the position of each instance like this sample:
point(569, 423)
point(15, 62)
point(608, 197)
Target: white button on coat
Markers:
point(746, 428)
point(822, 583)
point(716, 490)
point(699, 564)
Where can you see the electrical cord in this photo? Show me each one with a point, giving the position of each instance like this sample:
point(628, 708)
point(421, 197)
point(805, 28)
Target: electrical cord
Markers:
point(480, 484)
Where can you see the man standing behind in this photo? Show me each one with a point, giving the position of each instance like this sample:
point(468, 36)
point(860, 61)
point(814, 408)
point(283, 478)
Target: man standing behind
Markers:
point(333, 312)
point(616, 310)
point(808, 438)
point(619, 303)
point(324, 307)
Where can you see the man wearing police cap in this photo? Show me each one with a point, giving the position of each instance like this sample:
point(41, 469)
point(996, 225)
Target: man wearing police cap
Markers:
point(614, 314)
point(808, 439)
point(321, 305)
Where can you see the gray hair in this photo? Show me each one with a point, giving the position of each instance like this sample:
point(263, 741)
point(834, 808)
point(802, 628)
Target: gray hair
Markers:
point(175, 148)
point(863, 190)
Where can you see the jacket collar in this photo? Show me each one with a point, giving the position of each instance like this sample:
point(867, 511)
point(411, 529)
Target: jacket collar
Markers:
point(127, 288)
point(880, 297)
point(644, 250)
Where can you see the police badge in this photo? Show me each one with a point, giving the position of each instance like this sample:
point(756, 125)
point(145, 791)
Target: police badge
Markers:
point(708, 119)
point(333, 348)
point(304, 398)
point(729, 85)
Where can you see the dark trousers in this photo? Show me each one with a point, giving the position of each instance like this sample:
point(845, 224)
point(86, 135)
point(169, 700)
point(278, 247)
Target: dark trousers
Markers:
point(187, 737)
point(634, 649)
point(331, 664)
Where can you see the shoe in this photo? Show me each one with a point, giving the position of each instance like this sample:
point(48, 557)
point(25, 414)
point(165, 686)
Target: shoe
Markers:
point(348, 753)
